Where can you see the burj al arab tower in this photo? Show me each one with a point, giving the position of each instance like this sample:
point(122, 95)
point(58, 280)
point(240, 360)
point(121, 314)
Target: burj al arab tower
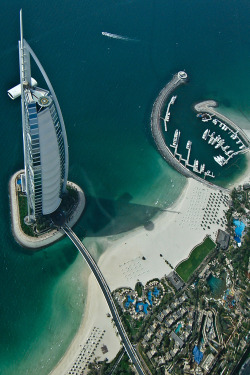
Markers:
point(45, 144)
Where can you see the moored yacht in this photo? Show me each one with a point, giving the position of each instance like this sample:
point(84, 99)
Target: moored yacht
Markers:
point(202, 168)
point(220, 160)
point(205, 134)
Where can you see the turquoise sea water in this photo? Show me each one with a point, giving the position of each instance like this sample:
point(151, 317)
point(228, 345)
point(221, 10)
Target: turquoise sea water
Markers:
point(106, 88)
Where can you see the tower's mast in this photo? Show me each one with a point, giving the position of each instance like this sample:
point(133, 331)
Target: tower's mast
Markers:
point(24, 65)
point(21, 28)
point(24, 57)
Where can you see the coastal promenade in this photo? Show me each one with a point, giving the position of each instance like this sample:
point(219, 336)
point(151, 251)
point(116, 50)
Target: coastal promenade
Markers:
point(107, 294)
point(208, 106)
point(47, 238)
point(178, 79)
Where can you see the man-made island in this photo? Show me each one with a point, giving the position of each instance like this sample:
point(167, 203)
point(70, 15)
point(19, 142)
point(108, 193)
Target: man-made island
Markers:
point(41, 198)
point(42, 232)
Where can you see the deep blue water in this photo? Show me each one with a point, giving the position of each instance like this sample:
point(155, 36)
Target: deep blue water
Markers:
point(106, 89)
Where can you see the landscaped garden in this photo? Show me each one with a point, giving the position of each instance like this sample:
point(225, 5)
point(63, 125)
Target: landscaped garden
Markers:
point(187, 267)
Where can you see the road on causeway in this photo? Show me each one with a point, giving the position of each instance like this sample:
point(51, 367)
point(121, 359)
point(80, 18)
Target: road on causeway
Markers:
point(107, 294)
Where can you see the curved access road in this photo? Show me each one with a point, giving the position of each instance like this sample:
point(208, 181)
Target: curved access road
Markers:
point(107, 294)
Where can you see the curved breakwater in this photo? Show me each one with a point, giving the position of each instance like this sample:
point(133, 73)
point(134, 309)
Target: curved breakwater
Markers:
point(156, 129)
point(209, 107)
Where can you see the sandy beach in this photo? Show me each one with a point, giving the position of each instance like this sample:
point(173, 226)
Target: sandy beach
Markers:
point(140, 255)
point(245, 178)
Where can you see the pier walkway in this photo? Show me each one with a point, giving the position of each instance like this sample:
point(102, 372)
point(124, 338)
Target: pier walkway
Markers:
point(177, 80)
point(208, 106)
point(107, 294)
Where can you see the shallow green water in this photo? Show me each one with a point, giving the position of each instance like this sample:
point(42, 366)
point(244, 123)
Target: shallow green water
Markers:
point(106, 89)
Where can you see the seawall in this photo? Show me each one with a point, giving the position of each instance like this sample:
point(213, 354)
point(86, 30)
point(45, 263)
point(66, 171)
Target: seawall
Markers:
point(156, 129)
point(209, 107)
point(46, 239)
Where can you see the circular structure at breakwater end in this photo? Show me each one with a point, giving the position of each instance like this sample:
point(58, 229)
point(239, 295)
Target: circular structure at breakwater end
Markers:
point(156, 129)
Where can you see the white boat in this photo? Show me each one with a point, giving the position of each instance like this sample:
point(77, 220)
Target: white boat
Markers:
point(220, 143)
point(214, 141)
point(210, 140)
point(173, 99)
point(218, 138)
point(209, 174)
point(234, 135)
point(196, 164)
point(220, 160)
point(215, 121)
point(217, 146)
point(241, 147)
point(205, 134)
point(189, 144)
point(202, 168)
point(176, 138)
point(115, 36)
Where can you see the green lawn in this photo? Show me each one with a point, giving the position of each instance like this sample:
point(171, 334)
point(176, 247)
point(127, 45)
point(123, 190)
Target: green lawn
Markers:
point(187, 267)
point(23, 211)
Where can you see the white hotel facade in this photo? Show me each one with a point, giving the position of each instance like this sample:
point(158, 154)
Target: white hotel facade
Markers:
point(44, 138)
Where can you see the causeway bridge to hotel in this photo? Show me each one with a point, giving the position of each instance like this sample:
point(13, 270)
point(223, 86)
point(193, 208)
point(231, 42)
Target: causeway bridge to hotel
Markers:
point(107, 294)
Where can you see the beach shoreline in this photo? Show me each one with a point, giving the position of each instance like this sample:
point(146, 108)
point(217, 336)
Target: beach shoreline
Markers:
point(243, 178)
point(141, 255)
point(126, 254)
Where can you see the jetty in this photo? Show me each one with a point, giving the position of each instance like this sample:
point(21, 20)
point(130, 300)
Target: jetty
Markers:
point(178, 79)
point(167, 115)
point(208, 106)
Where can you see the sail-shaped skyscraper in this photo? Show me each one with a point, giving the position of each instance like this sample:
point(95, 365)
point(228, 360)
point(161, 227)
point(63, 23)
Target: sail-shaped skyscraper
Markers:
point(44, 138)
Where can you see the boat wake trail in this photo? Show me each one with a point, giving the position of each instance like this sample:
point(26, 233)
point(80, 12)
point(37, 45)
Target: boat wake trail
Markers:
point(120, 37)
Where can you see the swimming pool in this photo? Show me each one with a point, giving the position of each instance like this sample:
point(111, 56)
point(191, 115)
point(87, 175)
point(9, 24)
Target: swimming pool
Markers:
point(240, 226)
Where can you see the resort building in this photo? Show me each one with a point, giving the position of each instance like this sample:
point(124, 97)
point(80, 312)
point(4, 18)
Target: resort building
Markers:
point(223, 239)
point(45, 144)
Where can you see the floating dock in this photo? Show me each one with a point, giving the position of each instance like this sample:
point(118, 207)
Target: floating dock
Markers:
point(208, 107)
point(167, 115)
point(157, 133)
